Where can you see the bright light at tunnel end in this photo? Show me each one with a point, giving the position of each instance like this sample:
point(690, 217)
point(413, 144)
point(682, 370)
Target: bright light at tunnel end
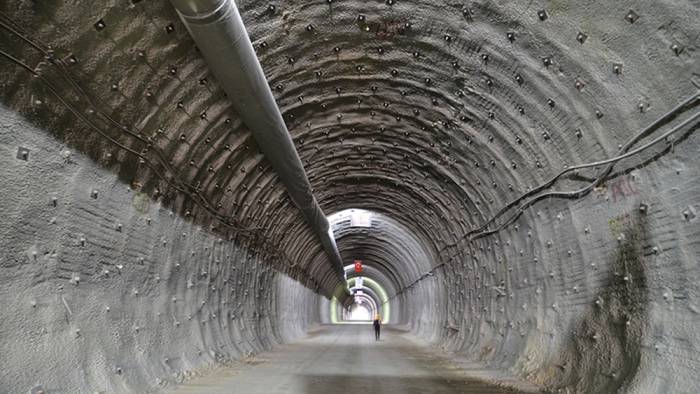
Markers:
point(357, 285)
point(359, 312)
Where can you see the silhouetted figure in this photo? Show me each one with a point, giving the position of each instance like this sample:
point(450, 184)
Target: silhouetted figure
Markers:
point(377, 327)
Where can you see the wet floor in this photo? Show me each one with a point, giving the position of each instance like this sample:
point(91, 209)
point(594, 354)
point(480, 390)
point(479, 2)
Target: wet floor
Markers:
point(345, 359)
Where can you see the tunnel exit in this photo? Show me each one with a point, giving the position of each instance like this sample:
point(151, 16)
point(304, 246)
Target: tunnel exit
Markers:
point(358, 312)
point(369, 299)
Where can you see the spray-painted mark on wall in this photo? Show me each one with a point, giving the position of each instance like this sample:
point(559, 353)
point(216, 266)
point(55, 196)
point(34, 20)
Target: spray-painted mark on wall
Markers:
point(621, 188)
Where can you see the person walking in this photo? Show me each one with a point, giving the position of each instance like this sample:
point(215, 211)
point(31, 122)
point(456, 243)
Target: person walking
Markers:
point(377, 326)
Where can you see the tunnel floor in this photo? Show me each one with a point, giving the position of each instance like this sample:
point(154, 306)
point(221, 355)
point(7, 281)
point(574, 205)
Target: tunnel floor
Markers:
point(346, 358)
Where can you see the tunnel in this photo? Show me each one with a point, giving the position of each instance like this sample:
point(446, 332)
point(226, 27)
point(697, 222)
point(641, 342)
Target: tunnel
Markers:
point(215, 196)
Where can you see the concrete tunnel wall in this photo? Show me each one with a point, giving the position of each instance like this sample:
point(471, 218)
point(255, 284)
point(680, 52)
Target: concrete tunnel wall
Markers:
point(433, 115)
point(105, 290)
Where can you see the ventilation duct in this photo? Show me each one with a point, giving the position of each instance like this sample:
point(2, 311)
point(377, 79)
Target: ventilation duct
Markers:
point(217, 29)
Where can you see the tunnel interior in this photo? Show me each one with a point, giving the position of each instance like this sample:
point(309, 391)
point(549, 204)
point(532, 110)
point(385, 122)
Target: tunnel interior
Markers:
point(519, 180)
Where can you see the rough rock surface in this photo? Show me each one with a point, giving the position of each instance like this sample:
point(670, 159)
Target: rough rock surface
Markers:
point(434, 115)
point(104, 290)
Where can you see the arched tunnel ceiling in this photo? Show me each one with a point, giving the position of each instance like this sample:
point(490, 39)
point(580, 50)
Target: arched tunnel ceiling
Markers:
point(433, 114)
point(451, 121)
point(388, 250)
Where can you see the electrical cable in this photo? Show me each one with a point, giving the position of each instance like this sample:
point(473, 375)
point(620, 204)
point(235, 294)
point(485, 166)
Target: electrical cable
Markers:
point(476, 234)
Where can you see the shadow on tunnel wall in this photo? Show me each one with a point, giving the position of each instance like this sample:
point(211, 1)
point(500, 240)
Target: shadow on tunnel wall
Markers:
point(157, 154)
point(603, 352)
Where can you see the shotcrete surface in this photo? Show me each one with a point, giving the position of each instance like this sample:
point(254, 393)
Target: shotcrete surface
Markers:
point(144, 237)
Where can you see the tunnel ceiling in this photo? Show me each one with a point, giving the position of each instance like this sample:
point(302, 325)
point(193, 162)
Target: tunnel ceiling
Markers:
point(434, 114)
point(390, 252)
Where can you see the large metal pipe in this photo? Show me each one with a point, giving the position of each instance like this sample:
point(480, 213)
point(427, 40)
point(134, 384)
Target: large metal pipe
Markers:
point(217, 29)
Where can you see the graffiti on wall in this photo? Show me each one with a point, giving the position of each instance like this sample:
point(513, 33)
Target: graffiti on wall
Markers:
point(619, 189)
point(622, 188)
